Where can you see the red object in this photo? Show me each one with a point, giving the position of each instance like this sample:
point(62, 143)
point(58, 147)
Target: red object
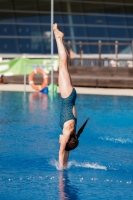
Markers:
point(45, 79)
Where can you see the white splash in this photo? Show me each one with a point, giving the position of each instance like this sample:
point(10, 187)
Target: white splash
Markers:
point(90, 165)
point(76, 164)
point(117, 140)
point(56, 164)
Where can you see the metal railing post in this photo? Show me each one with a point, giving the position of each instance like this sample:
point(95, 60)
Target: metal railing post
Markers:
point(116, 53)
point(99, 51)
point(24, 78)
point(132, 53)
point(69, 47)
point(81, 52)
point(69, 52)
point(52, 44)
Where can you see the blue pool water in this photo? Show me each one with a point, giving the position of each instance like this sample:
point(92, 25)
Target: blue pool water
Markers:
point(100, 168)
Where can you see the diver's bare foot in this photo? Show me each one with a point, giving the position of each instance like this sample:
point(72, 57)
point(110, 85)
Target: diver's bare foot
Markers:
point(58, 34)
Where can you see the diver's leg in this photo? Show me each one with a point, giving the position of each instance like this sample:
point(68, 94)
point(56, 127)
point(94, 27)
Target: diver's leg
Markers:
point(64, 78)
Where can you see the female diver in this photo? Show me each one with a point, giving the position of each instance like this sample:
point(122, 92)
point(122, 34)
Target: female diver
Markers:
point(68, 139)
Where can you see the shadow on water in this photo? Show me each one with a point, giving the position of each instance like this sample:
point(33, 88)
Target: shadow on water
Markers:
point(67, 190)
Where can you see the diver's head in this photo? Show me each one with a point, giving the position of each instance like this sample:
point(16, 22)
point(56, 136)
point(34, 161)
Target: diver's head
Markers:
point(73, 140)
point(72, 143)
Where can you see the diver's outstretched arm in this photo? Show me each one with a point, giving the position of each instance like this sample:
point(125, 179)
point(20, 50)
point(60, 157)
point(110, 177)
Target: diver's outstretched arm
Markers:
point(63, 154)
point(66, 156)
point(63, 158)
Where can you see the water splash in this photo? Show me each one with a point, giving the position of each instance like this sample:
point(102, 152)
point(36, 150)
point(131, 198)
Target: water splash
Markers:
point(117, 140)
point(77, 164)
point(90, 165)
point(56, 164)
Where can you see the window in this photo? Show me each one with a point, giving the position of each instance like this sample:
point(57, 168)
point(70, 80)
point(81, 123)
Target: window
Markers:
point(27, 17)
point(95, 19)
point(7, 29)
point(105, 49)
point(129, 20)
point(130, 30)
point(65, 18)
point(99, 32)
point(124, 49)
point(45, 18)
point(85, 47)
point(118, 33)
point(7, 16)
point(112, 47)
point(31, 45)
point(46, 34)
point(29, 23)
point(115, 20)
point(8, 45)
point(58, 19)
point(46, 31)
point(28, 30)
point(80, 31)
point(78, 19)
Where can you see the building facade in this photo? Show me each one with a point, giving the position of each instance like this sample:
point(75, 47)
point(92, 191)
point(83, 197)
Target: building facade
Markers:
point(25, 24)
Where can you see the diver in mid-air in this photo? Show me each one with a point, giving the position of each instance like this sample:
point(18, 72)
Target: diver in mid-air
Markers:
point(68, 119)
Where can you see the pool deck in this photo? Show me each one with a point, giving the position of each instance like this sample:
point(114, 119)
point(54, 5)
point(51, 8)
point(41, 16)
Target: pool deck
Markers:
point(80, 90)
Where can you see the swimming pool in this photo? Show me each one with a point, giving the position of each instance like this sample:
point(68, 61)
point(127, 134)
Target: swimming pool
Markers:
point(100, 168)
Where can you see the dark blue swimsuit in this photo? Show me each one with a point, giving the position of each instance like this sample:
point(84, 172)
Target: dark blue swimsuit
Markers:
point(66, 108)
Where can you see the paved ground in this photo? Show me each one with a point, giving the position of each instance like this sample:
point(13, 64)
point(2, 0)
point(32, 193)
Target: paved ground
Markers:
point(80, 90)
